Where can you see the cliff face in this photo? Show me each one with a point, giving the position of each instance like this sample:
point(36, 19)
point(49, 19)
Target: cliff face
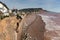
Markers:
point(42, 26)
point(33, 28)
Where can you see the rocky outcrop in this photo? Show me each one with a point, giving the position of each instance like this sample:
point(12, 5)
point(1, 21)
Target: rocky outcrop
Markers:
point(7, 28)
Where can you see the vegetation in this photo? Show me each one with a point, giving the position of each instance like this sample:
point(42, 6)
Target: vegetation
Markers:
point(30, 10)
point(2, 15)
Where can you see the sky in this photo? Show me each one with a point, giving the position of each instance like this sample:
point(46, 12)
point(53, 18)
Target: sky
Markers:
point(50, 5)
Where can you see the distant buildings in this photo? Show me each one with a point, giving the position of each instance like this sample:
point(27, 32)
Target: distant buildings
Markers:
point(4, 9)
point(15, 11)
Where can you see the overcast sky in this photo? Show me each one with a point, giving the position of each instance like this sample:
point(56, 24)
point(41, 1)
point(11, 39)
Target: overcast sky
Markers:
point(51, 5)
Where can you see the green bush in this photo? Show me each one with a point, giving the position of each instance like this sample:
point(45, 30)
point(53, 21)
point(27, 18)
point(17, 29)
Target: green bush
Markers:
point(2, 17)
